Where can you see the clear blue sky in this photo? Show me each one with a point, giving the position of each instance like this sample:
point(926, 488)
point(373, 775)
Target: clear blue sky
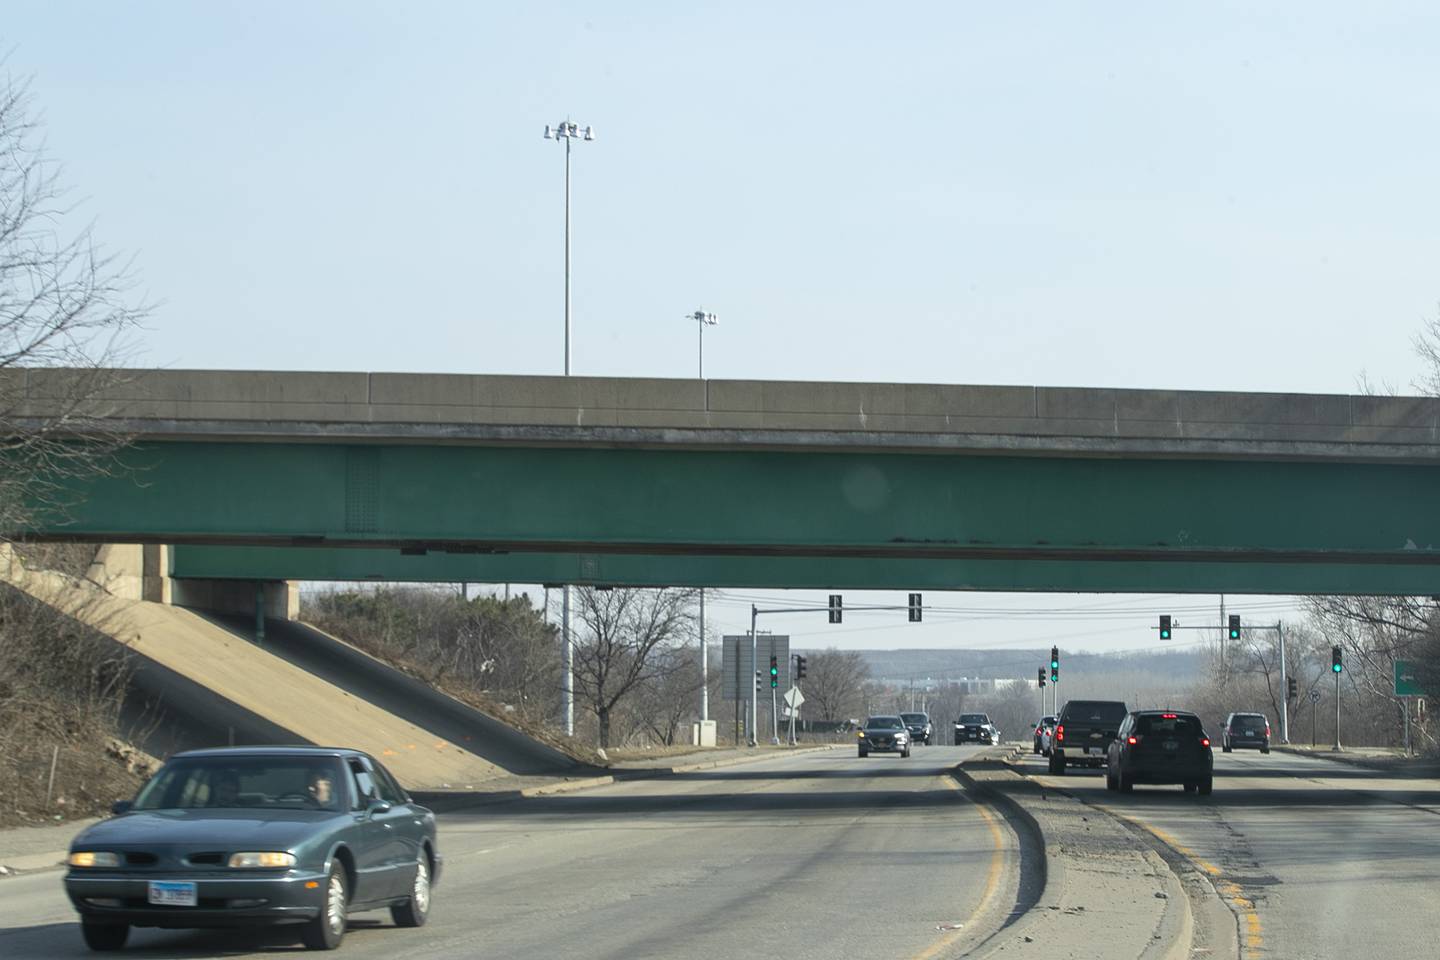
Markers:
point(1229, 196)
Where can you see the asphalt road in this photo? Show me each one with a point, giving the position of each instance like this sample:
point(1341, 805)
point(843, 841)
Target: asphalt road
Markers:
point(1317, 858)
point(820, 855)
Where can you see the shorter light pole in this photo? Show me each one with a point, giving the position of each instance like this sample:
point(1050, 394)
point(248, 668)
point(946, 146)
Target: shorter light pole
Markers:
point(705, 320)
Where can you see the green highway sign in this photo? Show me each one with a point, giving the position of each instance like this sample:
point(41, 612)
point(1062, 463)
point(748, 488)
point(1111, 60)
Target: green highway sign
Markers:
point(1407, 680)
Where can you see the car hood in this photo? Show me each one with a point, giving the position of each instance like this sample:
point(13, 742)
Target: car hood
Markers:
point(228, 829)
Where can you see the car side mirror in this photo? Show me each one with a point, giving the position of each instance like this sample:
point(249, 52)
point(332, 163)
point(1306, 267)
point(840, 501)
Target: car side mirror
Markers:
point(378, 806)
point(121, 806)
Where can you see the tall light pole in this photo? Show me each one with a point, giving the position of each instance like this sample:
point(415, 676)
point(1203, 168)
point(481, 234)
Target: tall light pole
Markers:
point(703, 320)
point(567, 131)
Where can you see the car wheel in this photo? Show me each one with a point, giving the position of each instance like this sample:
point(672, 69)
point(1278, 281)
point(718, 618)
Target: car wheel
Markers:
point(1190, 787)
point(1225, 747)
point(864, 753)
point(1206, 785)
point(905, 753)
point(1126, 784)
point(412, 912)
point(1057, 764)
point(1264, 749)
point(326, 931)
point(1109, 780)
point(104, 936)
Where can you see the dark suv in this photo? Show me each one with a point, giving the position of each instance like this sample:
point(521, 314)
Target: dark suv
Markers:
point(975, 727)
point(1160, 746)
point(1246, 730)
point(919, 726)
point(1084, 731)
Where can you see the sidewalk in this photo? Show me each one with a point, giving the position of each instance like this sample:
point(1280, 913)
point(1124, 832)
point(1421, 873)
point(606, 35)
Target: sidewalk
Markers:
point(37, 848)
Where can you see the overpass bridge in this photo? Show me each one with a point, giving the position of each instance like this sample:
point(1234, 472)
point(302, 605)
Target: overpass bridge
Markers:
point(292, 475)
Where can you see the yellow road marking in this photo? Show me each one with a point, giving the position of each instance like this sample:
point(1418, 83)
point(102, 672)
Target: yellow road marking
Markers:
point(992, 877)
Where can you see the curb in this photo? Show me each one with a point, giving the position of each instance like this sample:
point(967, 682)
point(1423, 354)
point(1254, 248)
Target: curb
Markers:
point(33, 863)
point(1039, 931)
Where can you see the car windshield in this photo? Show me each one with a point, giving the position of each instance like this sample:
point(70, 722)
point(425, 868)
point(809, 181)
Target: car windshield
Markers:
point(884, 723)
point(915, 718)
point(1176, 724)
point(974, 718)
point(241, 782)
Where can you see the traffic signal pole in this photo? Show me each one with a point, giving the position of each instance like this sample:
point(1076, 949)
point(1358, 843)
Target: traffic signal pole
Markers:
point(835, 610)
point(1231, 628)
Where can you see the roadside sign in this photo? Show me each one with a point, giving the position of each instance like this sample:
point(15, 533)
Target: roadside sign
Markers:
point(738, 669)
point(794, 698)
point(1407, 680)
point(1314, 696)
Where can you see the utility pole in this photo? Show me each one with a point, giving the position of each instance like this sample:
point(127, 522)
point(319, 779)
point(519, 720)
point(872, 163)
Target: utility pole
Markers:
point(704, 664)
point(567, 131)
point(1284, 686)
point(703, 320)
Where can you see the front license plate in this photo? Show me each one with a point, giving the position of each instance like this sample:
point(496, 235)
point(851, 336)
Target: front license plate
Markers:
point(172, 894)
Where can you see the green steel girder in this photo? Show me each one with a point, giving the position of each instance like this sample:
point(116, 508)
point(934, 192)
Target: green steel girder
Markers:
point(904, 573)
point(755, 503)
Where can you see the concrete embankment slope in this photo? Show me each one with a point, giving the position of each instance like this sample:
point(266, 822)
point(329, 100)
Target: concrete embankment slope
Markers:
point(361, 675)
point(246, 677)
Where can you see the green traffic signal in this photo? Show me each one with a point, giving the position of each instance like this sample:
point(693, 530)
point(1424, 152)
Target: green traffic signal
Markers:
point(1234, 626)
point(1164, 627)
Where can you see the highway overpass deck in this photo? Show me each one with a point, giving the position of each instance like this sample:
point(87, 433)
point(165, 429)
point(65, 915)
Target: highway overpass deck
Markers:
point(461, 408)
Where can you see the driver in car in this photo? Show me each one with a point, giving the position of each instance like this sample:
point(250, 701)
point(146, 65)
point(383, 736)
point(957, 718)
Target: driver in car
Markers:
point(321, 787)
point(225, 791)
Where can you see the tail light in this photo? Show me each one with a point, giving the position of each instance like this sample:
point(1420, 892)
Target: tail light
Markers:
point(1132, 740)
point(1204, 741)
point(1167, 716)
point(1060, 732)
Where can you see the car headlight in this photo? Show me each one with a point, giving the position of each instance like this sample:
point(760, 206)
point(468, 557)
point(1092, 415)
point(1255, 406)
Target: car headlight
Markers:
point(92, 858)
point(261, 860)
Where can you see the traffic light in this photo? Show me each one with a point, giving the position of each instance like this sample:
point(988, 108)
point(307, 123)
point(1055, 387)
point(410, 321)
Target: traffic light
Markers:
point(757, 681)
point(1042, 678)
point(1335, 663)
point(799, 668)
point(1165, 626)
point(835, 610)
point(774, 672)
point(1234, 626)
point(1054, 664)
point(915, 608)
point(1293, 689)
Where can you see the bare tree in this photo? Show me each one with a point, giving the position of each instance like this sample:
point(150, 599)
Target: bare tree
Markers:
point(835, 683)
point(64, 303)
point(623, 634)
point(672, 697)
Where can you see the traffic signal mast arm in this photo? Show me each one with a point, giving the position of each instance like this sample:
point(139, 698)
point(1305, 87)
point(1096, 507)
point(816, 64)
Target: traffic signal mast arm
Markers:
point(1219, 626)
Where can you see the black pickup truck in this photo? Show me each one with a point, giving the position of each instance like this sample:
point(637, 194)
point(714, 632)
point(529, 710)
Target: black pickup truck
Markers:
point(1084, 731)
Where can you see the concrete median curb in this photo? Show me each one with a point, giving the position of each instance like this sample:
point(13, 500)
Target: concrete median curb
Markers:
point(1097, 887)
